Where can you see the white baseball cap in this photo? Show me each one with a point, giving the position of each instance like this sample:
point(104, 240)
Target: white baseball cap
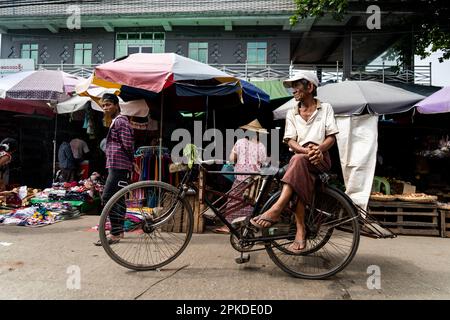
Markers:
point(308, 75)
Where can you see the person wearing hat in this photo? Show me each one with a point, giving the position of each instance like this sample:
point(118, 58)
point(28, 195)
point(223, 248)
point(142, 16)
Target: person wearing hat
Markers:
point(248, 155)
point(310, 133)
point(119, 152)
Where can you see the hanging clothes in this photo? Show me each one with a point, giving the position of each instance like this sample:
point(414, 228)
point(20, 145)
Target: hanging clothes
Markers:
point(148, 161)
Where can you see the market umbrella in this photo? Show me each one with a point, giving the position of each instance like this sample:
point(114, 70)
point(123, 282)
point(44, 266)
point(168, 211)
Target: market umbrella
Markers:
point(42, 85)
point(31, 92)
point(38, 107)
point(153, 72)
point(358, 97)
point(438, 102)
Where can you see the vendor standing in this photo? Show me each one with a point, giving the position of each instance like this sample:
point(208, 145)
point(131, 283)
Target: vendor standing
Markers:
point(66, 162)
point(79, 150)
point(119, 162)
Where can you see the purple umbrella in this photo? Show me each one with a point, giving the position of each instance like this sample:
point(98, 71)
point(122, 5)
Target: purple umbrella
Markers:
point(438, 102)
point(44, 85)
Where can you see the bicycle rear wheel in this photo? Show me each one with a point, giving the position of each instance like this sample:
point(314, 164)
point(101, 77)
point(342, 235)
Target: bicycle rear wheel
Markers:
point(332, 234)
point(156, 225)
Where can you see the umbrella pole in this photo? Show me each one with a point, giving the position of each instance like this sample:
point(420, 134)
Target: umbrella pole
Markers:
point(54, 147)
point(160, 136)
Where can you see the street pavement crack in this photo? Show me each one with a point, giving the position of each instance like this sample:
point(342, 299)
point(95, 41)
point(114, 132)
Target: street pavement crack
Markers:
point(161, 280)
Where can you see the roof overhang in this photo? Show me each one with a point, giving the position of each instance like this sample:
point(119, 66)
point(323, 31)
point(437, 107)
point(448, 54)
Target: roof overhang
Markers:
point(110, 23)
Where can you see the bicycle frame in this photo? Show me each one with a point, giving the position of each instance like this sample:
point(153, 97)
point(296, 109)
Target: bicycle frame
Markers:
point(267, 180)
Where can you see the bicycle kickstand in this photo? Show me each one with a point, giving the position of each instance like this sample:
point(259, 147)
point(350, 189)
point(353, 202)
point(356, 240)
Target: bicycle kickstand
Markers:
point(244, 258)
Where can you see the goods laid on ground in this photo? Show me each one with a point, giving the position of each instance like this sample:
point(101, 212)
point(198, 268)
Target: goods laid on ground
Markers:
point(83, 195)
point(34, 208)
point(17, 197)
point(40, 215)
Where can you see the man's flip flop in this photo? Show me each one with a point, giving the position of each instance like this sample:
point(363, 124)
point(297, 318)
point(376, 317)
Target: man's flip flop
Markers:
point(221, 231)
point(254, 222)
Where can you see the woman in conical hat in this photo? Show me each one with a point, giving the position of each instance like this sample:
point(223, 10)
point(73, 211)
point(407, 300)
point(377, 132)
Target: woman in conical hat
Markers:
point(248, 154)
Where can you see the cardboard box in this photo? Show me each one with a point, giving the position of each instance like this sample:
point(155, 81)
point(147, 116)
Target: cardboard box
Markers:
point(402, 187)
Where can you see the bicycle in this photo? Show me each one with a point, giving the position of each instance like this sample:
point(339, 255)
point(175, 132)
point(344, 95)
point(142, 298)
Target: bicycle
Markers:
point(159, 224)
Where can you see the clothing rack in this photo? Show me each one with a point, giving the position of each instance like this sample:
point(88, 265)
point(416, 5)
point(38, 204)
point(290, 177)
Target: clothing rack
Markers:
point(144, 149)
point(152, 163)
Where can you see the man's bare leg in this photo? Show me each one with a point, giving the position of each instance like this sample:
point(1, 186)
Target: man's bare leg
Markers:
point(273, 214)
point(299, 243)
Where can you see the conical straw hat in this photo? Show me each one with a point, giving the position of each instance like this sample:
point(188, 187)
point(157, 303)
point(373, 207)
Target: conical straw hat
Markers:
point(254, 126)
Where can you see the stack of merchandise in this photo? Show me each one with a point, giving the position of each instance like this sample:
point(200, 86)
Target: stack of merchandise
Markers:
point(17, 197)
point(83, 191)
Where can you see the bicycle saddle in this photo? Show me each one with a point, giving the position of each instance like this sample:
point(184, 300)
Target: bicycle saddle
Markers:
point(273, 171)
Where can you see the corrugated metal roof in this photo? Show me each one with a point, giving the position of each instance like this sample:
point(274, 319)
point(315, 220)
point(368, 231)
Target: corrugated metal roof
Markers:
point(157, 7)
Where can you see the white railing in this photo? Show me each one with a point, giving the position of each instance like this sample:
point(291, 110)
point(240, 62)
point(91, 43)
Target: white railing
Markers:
point(256, 71)
point(83, 71)
point(421, 74)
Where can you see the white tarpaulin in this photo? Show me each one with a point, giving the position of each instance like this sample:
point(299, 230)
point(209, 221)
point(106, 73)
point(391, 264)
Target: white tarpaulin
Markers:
point(358, 143)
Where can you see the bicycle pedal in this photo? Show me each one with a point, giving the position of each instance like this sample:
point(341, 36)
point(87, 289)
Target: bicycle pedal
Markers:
point(244, 258)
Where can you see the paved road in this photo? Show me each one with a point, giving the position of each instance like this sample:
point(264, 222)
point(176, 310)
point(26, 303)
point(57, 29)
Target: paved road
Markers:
point(35, 263)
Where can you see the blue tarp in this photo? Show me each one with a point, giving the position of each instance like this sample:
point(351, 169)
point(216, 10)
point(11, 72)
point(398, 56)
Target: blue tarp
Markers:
point(253, 94)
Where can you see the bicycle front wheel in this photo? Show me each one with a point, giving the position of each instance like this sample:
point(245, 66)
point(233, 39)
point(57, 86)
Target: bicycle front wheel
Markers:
point(154, 225)
point(332, 234)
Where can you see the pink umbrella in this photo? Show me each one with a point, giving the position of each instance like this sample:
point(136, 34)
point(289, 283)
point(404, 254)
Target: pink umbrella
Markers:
point(438, 102)
point(155, 72)
point(27, 107)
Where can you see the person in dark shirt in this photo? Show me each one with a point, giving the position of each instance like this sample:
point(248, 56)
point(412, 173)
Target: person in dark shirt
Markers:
point(67, 162)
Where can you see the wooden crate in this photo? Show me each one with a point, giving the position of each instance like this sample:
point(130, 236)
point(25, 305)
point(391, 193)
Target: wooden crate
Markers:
point(197, 203)
point(180, 222)
point(407, 218)
point(445, 223)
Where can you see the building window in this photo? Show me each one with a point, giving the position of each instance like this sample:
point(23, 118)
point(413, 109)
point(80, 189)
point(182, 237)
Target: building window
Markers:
point(83, 54)
point(30, 51)
point(257, 52)
point(139, 42)
point(199, 51)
